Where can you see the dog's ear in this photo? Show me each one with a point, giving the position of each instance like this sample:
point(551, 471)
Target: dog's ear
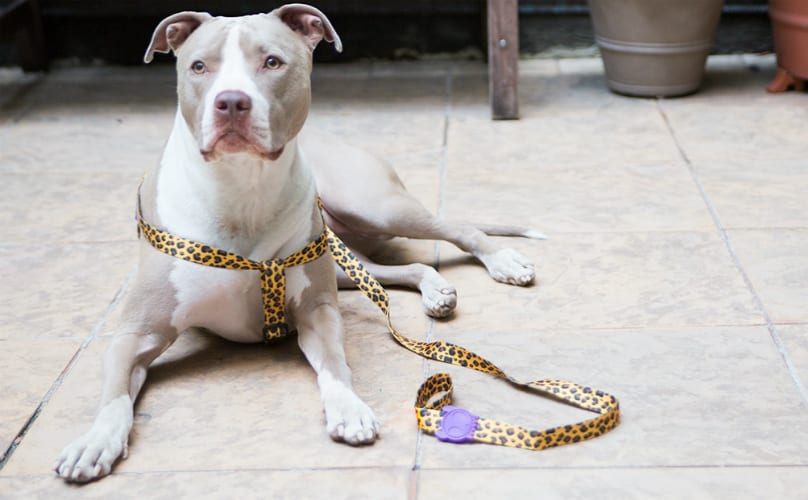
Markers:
point(310, 23)
point(172, 32)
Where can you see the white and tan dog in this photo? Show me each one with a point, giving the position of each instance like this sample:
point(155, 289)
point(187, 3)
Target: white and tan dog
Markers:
point(238, 174)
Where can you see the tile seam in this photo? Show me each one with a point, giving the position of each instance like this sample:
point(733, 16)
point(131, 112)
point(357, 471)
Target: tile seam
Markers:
point(722, 231)
point(418, 459)
point(17, 441)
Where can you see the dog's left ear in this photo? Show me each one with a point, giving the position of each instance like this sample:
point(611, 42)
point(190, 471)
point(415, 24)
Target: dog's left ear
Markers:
point(312, 24)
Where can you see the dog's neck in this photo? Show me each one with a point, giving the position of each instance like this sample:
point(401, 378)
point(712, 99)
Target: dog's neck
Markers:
point(238, 196)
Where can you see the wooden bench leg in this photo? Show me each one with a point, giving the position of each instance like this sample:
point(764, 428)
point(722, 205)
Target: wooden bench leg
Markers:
point(503, 58)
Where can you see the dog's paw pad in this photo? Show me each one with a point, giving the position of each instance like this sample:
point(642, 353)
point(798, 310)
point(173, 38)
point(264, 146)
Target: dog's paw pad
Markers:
point(511, 267)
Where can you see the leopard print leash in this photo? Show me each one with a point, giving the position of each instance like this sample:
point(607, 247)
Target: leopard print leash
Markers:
point(433, 409)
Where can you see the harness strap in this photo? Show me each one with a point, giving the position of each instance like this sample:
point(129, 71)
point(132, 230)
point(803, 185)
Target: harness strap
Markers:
point(273, 276)
point(433, 409)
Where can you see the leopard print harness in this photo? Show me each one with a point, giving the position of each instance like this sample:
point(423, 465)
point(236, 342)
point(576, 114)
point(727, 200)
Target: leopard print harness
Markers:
point(433, 409)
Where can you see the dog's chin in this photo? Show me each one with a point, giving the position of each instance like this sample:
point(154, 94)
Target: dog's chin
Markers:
point(229, 143)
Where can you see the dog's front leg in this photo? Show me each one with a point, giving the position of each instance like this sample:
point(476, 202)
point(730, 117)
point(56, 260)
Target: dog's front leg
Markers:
point(92, 455)
point(320, 335)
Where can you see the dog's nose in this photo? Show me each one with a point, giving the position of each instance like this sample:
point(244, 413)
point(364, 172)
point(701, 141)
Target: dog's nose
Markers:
point(232, 103)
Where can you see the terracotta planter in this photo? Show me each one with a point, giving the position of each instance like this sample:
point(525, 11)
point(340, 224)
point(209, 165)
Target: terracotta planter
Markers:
point(655, 47)
point(790, 29)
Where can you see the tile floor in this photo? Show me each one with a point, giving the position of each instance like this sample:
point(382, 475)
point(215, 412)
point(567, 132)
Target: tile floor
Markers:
point(675, 276)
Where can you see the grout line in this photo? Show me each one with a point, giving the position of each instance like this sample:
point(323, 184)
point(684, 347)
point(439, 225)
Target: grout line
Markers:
point(436, 262)
point(770, 325)
point(15, 443)
point(413, 484)
point(629, 467)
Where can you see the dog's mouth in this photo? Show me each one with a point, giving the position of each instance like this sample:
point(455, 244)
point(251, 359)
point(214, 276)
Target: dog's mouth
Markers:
point(232, 141)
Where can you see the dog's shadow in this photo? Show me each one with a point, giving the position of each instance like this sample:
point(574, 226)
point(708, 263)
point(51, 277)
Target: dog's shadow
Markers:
point(198, 353)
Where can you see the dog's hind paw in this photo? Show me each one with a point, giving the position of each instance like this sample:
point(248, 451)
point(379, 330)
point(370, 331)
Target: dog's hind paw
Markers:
point(438, 296)
point(511, 267)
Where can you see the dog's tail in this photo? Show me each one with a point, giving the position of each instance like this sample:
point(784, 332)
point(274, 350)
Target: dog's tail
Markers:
point(515, 231)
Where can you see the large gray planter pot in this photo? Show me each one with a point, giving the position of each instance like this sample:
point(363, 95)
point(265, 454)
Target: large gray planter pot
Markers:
point(655, 47)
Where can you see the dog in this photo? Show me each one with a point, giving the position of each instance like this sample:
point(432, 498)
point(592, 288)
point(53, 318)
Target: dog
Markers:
point(238, 173)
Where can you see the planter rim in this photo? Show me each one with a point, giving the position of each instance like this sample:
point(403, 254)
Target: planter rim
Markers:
point(653, 48)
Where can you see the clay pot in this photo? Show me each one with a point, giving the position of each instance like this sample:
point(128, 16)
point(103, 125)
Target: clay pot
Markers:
point(655, 47)
point(790, 29)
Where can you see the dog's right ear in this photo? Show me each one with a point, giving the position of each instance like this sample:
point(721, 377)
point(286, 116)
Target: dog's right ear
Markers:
point(172, 32)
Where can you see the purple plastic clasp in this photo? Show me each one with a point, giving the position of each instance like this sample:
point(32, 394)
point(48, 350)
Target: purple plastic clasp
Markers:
point(457, 425)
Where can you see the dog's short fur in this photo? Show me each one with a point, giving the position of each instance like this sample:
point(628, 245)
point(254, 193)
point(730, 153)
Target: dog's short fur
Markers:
point(237, 173)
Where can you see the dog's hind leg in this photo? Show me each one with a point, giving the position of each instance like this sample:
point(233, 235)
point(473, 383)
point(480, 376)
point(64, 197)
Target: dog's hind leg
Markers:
point(399, 214)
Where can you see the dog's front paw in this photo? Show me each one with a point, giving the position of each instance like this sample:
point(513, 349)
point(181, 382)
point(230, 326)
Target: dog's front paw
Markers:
point(92, 455)
point(509, 266)
point(347, 417)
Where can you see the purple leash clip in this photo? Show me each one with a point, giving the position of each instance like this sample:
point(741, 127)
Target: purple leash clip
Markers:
point(457, 425)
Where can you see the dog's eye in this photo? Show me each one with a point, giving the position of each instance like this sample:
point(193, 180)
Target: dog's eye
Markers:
point(272, 62)
point(198, 67)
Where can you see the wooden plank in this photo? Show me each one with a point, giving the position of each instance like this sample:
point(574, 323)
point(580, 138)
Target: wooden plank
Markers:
point(503, 58)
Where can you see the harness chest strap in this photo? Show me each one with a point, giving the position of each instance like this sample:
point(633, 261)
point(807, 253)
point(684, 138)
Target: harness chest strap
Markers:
point(273, 276)
point(433, 411)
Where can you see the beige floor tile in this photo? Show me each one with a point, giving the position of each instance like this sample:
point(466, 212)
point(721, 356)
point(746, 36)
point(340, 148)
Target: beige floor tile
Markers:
point(549, 67)
point(748, 195)
point(214, 405)
point(544, 95)
point(775, 262)
point(125, 143)
point(381, 132)
point(259, 482)
point(640, 483)
point(419, 68)
point(735, 79)
point(411, 95)
point(689, 396)
point(28, 369)
point(766, 132)
point(56, 208)
point(59, 291)
point(578, 197)
point(581, 66)
point(795, 339)
point(604, 280)
point(576, 92)
point(83, 94)
point(603, 137)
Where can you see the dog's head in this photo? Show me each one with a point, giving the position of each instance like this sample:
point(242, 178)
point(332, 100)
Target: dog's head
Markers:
point(244, 82)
